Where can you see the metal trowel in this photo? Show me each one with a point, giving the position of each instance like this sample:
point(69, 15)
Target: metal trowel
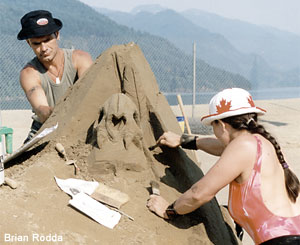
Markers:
point(60, 149)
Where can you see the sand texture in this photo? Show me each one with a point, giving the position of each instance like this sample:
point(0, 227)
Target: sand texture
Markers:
point(106, 122)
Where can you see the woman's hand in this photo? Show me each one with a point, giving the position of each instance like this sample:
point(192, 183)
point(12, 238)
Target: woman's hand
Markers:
point(158, 205)
point(169, 139)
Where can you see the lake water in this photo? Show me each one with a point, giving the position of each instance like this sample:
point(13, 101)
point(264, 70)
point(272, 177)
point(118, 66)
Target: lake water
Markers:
point(261, 94)
point(187, 98)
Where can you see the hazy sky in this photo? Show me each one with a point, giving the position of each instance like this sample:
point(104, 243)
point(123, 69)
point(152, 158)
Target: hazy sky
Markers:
point(283, 14)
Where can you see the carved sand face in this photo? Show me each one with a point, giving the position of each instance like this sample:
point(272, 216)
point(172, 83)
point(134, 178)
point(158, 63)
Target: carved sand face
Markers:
point(119, 138)
point(119, 122)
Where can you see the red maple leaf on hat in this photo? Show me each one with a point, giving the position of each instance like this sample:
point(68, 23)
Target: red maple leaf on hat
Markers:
point(250, 101)
point(223, 106)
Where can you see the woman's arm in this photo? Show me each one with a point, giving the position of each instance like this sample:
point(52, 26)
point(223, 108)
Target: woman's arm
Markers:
point(210, 145)
point(234, 160)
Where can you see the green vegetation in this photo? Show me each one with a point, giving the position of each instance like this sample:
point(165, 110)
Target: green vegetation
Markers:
point(86, 29)
point(265, 56)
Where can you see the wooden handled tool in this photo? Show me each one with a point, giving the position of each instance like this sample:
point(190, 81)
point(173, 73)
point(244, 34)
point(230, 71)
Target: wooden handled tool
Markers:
point(185, 119)
point(154, 187)
point(110, 196)
point(11, 183)
point(151, 148)
point(60, 149)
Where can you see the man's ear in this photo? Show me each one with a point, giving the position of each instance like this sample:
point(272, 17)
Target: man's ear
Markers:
point(57, 35)
point(27, 40)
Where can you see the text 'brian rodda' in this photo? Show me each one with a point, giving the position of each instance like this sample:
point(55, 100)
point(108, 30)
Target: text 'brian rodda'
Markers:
point(34, 237)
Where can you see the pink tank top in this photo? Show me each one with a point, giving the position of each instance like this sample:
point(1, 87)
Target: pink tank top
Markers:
point(247, 208)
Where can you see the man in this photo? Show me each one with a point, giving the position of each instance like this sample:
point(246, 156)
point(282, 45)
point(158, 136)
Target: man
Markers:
point(46, 78)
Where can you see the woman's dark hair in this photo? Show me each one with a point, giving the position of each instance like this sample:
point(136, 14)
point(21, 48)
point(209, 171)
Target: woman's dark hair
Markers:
point(249, 122)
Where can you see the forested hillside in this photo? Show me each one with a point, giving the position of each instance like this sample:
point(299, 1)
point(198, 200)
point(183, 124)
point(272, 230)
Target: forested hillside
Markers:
point(279, 48)
point(211, 47)
point(260, 54)
point(85, 28)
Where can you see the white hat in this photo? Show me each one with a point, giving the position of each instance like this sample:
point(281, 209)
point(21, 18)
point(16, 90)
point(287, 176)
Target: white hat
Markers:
point(230, 102)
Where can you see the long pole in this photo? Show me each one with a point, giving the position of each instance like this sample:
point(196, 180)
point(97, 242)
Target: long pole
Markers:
point(194, 82)
point(188, 129)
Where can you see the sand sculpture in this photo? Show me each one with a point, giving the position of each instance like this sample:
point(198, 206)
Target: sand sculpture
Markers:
point(107, 121)
point(118, 133)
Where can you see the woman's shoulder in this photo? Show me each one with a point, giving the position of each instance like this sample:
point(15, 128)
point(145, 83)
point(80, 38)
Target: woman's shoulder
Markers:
point(243, 151)
point(245, 142)
point(242, 148)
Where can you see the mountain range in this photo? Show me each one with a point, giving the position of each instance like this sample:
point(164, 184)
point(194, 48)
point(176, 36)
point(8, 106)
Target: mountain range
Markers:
point(268, 57)
point(279, 48)
point(85, 28)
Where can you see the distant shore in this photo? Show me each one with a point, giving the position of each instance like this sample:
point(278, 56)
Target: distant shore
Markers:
point(282, 111)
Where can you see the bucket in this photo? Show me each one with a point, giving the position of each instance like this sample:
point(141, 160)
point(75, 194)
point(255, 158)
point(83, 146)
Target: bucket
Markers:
point(180, 120)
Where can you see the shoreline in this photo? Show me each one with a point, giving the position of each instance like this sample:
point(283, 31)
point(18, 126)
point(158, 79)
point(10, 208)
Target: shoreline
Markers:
point(279, 116)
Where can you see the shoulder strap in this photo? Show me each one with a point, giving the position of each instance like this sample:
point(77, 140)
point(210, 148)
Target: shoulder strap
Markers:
point(257, 165)
point(70, 73)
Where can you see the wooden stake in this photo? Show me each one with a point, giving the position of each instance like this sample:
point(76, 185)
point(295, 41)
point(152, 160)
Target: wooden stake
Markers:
point(183, 114)
point(188, 129)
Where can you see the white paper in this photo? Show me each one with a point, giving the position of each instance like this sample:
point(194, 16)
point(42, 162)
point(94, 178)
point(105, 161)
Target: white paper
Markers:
point(84, 186)
point(1, 176)
point(95, 210)
point(1, 170)
point(80, 191)
point(30, 143)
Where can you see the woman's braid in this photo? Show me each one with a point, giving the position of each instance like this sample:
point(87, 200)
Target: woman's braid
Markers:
point(249, 122)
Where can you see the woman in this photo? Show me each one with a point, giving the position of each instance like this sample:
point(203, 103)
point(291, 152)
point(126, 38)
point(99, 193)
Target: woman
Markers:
point(263, 194)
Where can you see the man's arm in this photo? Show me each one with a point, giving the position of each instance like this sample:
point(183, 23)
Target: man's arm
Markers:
point(81, 61)
point(30, 82)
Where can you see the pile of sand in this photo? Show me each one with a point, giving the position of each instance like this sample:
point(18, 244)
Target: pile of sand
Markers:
point(107, 121)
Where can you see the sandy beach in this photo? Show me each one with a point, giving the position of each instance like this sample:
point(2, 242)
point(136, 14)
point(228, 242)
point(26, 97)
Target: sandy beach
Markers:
point(282, 120)
point(20, 121)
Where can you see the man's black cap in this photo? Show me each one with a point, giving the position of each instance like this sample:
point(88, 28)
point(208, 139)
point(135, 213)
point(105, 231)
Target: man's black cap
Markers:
point(38, 23)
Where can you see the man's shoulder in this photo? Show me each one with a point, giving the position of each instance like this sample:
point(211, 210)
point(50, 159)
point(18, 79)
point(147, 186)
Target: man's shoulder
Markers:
point(81, 59)
point(31, 65)
point(29, 69)
point(29, 75)
point(77, 53)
